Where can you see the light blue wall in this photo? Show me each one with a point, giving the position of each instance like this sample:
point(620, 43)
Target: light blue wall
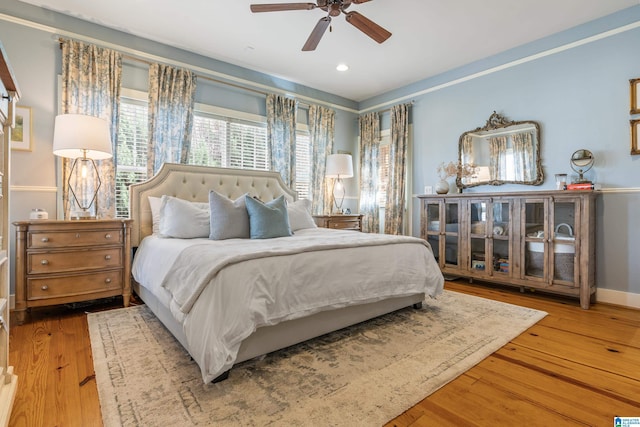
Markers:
point(580, 97)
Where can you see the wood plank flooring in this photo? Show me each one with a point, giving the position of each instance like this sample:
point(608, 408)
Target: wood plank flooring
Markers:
point(575, 367)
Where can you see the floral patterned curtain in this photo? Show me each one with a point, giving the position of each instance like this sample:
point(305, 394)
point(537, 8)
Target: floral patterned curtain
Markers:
point(467, 150)
point(498, 157)
point(91, 80)
point(281, 135)
point(171, 99)
point(523, 155)
point(321, 129)
point(369, 163)
point(395, 204)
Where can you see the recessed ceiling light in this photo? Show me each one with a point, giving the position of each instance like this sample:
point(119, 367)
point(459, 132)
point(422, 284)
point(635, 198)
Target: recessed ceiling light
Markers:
point(342, 67)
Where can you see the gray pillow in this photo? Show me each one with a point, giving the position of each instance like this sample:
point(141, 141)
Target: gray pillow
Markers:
point(268, 220)
point(229, 218)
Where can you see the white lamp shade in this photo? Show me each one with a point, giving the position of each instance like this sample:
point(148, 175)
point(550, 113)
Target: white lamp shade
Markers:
point(339, 166)
point(77, 134)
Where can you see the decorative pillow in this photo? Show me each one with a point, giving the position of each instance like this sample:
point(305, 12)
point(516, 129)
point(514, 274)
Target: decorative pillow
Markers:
point(229, 218)
point(268, 220)
point(300, 215)
point(183, 219)
point(155, 203)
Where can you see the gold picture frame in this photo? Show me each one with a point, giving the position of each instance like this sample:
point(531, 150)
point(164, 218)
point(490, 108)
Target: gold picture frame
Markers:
point(635, 96)
point(21, 133)
point(635, 136)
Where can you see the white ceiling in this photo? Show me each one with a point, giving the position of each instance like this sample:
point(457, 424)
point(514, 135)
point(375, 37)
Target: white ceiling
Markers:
point(429, 36)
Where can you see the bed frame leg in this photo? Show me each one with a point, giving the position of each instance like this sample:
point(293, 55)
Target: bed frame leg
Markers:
point(417, 305)
point(221, 377)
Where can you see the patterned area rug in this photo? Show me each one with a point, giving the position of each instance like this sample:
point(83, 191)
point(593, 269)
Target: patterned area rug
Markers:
point(364, 375)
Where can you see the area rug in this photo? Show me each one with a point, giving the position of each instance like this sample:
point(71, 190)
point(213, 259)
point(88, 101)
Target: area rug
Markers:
point(364, 375)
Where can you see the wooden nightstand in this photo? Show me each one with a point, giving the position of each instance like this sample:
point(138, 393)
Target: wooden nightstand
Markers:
point(342, 222)
point(59, 262)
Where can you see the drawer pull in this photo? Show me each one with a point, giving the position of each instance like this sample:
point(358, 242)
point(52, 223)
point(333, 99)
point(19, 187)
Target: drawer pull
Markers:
point(107, 236)
point(44, 262)
point(107, 280)
point(107, 257)
point(45, 240)
point(77, 235)
point(44, 287)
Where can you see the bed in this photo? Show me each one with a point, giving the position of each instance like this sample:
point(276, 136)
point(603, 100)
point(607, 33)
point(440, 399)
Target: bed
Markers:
point(298, 287)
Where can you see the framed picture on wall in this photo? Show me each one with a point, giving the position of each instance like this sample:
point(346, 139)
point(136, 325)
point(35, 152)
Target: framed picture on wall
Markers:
point(635, 136)
point(635, 96)
point(21, 133)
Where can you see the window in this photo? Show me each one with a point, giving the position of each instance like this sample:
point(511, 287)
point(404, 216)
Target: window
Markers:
point(216, 140)
point(230, 143)
point(303, 164)
point(384, 158)
point(133, 134)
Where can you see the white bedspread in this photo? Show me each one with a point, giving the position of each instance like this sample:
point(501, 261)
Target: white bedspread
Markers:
point(222, 291)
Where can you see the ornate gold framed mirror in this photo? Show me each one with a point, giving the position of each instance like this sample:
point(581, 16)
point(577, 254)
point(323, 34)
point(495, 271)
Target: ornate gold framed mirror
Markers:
point(501, 152)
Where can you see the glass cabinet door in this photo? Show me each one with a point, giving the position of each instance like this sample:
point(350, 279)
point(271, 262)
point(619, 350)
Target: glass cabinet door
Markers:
point(489, 241)
point(566, 213)
point(440, 229)
point(500, 231)
point(478, 244)
point(432, 227)
point(536, 234)
point(451, 234)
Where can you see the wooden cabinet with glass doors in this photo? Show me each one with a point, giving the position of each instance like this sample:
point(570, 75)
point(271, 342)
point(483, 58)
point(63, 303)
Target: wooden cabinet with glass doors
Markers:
point(533, 240)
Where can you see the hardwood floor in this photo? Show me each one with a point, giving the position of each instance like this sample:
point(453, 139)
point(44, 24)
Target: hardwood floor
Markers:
point(575, 367)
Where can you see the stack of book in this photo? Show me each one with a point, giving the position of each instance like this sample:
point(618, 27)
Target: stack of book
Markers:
point(580, 186)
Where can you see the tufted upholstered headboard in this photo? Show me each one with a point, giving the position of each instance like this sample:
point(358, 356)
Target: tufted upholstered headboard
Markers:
point(193, 183)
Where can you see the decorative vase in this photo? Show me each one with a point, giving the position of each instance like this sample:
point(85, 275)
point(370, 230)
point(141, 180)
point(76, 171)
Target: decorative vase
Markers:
point(442, 187)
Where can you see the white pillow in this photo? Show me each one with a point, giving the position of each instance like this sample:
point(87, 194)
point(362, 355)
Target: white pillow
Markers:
point(183, 219)
point(300, 215)
point(155, 203)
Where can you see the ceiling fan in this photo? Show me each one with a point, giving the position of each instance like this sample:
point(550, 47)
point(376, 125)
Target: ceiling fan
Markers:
point(333, 8)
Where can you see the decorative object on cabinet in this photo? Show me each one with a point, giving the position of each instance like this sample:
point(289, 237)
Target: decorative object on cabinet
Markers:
point(547, 239)
point(451, 169)
point(635, 100)
point(341, 222)
point(9, 96)
point(21, 133)
point(635, 136)
point(85, 139)
point(60, 262)
point(561, 181)
point(581, 162)
point(338, 166)
point(500, 142)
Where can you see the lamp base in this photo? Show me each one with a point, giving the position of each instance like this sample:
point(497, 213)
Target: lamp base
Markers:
point(81, 216)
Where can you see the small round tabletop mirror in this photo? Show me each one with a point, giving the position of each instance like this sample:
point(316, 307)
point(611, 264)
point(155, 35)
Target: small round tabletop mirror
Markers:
point(581, 162)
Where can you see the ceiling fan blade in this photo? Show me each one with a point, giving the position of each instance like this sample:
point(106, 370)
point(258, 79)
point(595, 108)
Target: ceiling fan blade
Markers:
point(359, 1)
point(278, 7)
point(316, 34)
point(367, 26)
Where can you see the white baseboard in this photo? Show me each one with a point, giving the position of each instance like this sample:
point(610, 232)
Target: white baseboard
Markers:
point(626, 299)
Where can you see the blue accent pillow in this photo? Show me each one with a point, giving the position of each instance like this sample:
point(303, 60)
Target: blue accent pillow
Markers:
point(229, 219)
point(268, 220)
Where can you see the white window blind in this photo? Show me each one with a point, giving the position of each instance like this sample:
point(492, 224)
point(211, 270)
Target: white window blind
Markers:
point(133, 134)
point(303, 165)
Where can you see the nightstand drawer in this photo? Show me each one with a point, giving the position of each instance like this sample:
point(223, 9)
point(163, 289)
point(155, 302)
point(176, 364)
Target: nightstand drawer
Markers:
point(90, 259)
point(62, 239)
point(71, 285)
point(345, 225)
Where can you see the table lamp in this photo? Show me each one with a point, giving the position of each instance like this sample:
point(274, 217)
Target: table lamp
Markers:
point(84, 139)
point(338, 166)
